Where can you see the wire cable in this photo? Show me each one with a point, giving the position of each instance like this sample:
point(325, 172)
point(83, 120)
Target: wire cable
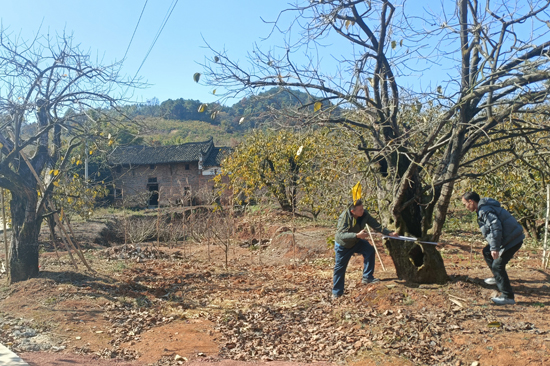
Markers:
point(135, 29)
point(165, 20)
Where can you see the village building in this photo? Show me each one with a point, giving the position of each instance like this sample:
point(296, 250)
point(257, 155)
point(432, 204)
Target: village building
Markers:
point(170, 175)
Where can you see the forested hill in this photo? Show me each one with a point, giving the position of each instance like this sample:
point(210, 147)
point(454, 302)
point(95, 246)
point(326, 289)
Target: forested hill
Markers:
point(227, 118)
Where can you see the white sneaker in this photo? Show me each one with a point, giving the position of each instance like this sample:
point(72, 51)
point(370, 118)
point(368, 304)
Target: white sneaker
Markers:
point(501, 300)
point(490, 281)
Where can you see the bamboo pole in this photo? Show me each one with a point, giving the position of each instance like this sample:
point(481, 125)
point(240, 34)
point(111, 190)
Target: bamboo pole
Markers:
point(52, 234)
point(158, 219)
point(376, 249)
point(6, 247)
point(545, 247)
point(77, 244)
point(67, 236)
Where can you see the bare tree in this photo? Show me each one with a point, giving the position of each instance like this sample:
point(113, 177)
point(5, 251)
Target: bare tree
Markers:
point(497, 61)
point(51, 99)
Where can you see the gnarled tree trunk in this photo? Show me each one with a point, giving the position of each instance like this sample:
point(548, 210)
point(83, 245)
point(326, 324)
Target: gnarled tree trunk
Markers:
point(417, 263)
point(24, 239)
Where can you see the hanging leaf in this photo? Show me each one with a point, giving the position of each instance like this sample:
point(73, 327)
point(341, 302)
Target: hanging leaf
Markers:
point(348, 23)
point(214, 91)
point(214, 114)
point(91, 152)
point(393, 45)
point(317, 106)
point(197, 77)
point(439, 89)
point(56, 183)
point(202, 107)
point(216, 59)
point(299, 150)
point(401, 43)
point(56, 172)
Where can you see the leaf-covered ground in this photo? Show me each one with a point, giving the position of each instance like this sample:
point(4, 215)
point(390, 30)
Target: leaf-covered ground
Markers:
point(170, 306)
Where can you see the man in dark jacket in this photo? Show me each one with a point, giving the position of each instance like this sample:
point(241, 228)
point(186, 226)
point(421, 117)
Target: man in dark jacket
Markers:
point(351, 238)
point(504, 235)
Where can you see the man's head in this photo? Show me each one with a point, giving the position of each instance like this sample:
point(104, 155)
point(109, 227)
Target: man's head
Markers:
point(470, 201)
point(357, 209)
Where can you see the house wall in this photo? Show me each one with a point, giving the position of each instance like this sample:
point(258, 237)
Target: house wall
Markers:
point(176, 184)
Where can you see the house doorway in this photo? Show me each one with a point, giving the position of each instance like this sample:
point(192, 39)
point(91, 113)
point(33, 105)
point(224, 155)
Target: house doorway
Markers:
point(153, 195)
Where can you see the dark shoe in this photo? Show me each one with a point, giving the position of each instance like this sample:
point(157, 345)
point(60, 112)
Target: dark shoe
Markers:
point(490, 281)
point(501, 300)
point(368, 281)
point(334, 296)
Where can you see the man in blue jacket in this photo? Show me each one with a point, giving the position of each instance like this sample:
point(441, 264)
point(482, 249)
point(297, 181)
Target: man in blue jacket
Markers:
point(504, 235)
point(351, 238)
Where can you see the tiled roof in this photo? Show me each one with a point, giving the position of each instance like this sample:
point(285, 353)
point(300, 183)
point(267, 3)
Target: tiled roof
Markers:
point(142, 155)
point(216, 156)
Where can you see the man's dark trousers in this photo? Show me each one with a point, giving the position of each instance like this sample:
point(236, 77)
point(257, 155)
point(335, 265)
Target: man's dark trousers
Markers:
point(343, 255)
point(498, 267)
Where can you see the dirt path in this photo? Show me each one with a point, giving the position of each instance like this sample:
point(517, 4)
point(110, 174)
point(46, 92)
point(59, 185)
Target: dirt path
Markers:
point(167, 308)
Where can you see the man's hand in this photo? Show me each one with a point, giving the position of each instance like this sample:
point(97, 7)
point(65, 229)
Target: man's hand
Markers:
point(494, 254)
point(362, 235)
point(394, 234)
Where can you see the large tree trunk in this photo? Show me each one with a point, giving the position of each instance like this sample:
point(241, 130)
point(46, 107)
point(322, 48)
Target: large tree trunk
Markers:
point(24, 241)
point(417, 263)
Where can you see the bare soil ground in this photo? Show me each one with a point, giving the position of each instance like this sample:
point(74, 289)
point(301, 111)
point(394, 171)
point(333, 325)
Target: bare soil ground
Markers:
point(145, 305)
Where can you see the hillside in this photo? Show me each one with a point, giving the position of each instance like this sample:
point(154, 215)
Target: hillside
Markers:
point(160, 131)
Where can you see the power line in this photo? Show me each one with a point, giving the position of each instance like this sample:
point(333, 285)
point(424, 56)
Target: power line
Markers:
point(165, 20)
point(135, 29)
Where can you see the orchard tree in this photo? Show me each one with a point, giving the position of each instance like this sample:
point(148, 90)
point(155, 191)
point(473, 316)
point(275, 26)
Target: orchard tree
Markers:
point(520, 172)
point(51, 96)
point(302, 170)
point(493, 59)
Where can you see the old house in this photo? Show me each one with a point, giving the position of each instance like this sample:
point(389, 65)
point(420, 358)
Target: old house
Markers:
point(172, 175)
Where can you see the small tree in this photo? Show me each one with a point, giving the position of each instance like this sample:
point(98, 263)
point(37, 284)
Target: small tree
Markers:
point(302, 170)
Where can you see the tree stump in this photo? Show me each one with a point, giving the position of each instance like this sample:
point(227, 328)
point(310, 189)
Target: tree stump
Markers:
point(417, 263)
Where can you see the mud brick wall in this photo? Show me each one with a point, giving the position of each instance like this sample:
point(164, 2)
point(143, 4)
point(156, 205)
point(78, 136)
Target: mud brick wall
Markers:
point(175, 183)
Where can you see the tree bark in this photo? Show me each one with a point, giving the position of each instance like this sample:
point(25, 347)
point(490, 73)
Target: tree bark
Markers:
point(24, 239)
point(417, 263)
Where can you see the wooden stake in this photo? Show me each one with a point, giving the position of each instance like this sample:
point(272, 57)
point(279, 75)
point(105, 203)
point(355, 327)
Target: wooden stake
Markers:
point(545, 247)
point(52, 234)
point(6, 247)
point(158, 219)
point(376, 249)
point(78, 252)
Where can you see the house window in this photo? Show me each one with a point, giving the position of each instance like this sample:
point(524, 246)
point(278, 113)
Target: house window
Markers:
point(186, 166)
point(151, 166)
point(152, 180)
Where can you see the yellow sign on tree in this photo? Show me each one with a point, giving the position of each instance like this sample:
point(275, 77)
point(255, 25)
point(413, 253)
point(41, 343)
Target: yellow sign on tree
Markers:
point(356, 192)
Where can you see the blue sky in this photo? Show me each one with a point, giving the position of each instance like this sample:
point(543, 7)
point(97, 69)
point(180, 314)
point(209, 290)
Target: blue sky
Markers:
point(105, 28)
